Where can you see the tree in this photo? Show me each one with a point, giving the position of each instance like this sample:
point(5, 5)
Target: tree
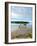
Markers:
point(25, 23)
point(20, 22)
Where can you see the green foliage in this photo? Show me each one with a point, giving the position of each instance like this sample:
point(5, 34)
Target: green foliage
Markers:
point(20, 22)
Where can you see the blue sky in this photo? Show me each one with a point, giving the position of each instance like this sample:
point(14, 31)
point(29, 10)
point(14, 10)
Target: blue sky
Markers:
point(21, 13)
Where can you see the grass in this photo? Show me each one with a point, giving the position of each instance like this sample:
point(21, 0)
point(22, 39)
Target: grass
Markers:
point(28, 35)
point(15, 35)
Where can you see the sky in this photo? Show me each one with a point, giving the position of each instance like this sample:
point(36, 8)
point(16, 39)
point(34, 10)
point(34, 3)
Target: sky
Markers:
point(21, 13)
